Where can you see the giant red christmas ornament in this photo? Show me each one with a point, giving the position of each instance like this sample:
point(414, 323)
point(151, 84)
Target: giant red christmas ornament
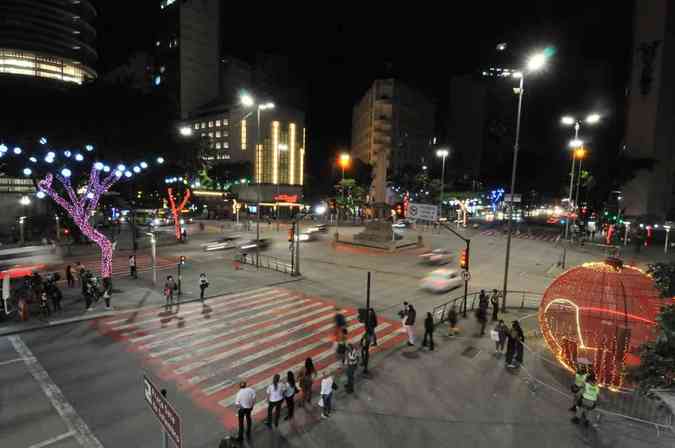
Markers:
point(599, 314)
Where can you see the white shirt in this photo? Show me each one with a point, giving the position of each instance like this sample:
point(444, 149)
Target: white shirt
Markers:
point(327, 386)
point(246, 398)
point(277, 394)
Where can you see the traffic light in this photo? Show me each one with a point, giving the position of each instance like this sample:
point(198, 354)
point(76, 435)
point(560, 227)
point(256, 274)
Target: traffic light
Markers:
point(464, 259)
point(291, 233)
point(66, 232)
point(182, 259)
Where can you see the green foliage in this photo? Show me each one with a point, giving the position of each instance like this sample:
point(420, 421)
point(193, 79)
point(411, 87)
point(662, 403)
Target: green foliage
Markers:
point(222, 174)
point(657, 359)
point(664, 277)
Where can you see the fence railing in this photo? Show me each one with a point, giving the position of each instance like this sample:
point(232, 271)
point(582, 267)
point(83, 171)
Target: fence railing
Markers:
point(267, 262)
point(524, 300)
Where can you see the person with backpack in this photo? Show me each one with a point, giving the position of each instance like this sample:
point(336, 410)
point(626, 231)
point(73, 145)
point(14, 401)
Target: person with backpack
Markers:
point(429, 331)
point(290, 390)
point(275, 397)
point(203, 284)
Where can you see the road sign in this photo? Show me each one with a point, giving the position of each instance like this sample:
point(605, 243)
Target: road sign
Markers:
point(516, 198)
point(466, 275)
point(166, 414)
point(425, 212)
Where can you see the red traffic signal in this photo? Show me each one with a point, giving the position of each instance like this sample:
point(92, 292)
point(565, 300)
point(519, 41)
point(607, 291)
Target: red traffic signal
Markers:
point(464, 259)
point(66, 232)
point(182, 259)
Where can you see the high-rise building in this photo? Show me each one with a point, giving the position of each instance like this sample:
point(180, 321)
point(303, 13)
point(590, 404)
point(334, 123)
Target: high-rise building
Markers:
point(48, 40)
point(187, 51)
point(651, 110)
point(392, 128)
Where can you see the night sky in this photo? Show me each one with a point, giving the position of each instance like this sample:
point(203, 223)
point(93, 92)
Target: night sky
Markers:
point(337, 51)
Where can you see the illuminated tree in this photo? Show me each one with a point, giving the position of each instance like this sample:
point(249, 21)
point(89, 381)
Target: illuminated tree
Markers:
point(176, 211)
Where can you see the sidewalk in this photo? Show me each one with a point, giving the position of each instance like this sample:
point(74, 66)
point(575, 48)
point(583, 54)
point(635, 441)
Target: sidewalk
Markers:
point(131, 294)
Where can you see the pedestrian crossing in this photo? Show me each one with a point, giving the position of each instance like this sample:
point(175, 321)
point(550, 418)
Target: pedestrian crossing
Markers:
point(207, 349)
point(120, 265)
point(536, 236)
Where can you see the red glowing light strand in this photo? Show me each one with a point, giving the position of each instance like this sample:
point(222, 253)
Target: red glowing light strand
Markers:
point(175, 211)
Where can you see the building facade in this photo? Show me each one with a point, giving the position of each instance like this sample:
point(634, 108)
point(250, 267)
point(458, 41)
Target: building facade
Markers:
point(651, 110)
point(48, 40)
point(392, 128)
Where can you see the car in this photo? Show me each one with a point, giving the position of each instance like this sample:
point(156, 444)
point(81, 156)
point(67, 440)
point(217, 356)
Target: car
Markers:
point(437, 256)
point(306, 236)
point(253, 245)
point(226, 242)
point(442, 280)
point(323, 228)
point(402, 224)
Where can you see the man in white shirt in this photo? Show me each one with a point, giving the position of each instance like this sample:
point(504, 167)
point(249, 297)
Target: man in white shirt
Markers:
point(132, 266)
point(326, 395)
point(245, 402)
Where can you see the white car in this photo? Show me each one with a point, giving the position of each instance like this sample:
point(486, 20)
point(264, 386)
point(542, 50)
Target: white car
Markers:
point(437, 256)
point(442, 280)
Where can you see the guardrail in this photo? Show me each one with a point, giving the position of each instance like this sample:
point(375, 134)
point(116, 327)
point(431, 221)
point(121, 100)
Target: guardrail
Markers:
point(528, 299)
point(267, 262)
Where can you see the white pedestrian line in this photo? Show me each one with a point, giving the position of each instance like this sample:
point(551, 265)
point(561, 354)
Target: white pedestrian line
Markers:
point(73, 421)
point(11, 361)
point(277, 361)
point(212, 327)
point(248, 335)
point(229, 401)
point(159, 332)
point(252, 357)
point(194, 307)
point(53, 440)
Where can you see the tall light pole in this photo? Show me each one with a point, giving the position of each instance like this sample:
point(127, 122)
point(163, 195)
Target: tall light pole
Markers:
point(576, 144)
point(248, 101)
point(443, 154)
point(535, 63)
point(344, 160)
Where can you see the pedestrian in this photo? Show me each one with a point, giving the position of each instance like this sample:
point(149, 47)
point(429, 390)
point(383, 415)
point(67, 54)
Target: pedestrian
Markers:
point(429, 331)
point(410, 316)
point(578, 387)
point(44, 305)
point(371, 325)
point(352, 364)
point(481, 316)
point(499, 336)
point(514, 345)
point(482, 299)
point(340, 323)
point(589, 399)
point(341, 349)
point(203, 284)
point(107, 289)
point(306, 379)
point(183, 235)
point(289, 394)
point(169, 287)
point(245, 402)
point(494, 300)
point(275, 397)
point(511, 338)
point(327, 388)
point(55, 295)
point(70, 278)
point(132, 266)
point(520, 342)
point(452, 321)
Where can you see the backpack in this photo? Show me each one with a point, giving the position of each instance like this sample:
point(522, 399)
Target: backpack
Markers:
point(340, 320)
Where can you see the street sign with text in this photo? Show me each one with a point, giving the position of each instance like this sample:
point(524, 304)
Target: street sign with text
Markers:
point(424, 212)
point(166, 414)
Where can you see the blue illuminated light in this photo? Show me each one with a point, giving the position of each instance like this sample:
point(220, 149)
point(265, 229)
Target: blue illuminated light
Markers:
point(66, 172)
point(79, 157)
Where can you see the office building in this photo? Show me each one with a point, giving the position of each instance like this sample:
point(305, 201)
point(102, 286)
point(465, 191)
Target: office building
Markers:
point(651, 110)
point(48, 40)
point(392, 128)
point(187, 52)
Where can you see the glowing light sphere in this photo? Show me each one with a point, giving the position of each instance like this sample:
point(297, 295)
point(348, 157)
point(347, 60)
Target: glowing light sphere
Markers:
point(17, 150)
point(144, 165)
point(160, 160)
point(599, 314)
point(118, 173)
point(49, 159)
point(99, 166)
point(79, 157)
point(67, 153)
point(43, 140)
point(32, 159)
point(121, 167)
point(136, 169)
point(66, 172)
point(27, 171)
point(90, 195)
point(89, 147)
point(127, 174)
point(40, 194)
point(106, 169)
point(3, 148)
point(50, 155)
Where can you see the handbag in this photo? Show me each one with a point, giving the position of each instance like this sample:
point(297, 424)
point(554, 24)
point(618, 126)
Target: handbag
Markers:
point(494, 335)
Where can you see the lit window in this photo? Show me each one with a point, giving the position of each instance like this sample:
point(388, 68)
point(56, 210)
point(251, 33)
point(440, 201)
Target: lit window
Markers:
point(203, 134)
point(158, 43)
point(210, 134)
point(210, 124)
point(162, 69)
point(226, 122)
point(243, 135)
point(196, 125)
point(217, 123)
point(218, 145)
point(203, 125)
point(217, 134)
point(226, 145)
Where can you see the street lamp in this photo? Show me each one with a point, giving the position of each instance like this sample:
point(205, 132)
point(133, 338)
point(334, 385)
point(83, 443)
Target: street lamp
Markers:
point(344, 161)
point(443, 154)
point(185, 131)
point(535, 63)
point(248, 101)
point(579, 153)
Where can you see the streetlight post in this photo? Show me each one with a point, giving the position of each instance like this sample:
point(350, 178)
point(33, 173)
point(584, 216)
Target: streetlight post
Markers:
point(442, 153)
point(580, 153)
point(344, 161)
point(665, 246)
point(21, 234)
point(58, 229)
point(153, 246)
point(536, 62)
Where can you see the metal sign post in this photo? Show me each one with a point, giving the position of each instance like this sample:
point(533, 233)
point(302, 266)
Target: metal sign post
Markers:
point(366, 354)
point(165, 413)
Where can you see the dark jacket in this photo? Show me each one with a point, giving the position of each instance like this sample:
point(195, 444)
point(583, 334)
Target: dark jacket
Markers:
point(410, 316)
point(429, 323)
point(372, 321)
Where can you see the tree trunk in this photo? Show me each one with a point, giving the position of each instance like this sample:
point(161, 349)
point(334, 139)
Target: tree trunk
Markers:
point(103, 243)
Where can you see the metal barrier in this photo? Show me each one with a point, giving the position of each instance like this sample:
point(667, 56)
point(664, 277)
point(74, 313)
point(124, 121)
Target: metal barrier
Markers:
point(528, 300)
point(267, 262)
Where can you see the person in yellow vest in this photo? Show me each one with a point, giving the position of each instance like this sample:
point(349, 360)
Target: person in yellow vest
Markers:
point(578, 386)
point(589, 399)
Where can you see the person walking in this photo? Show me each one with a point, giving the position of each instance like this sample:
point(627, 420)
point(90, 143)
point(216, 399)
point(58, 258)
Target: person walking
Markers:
point(452, 321)
point(341, 349)
point(409, 323)
point(70, 278)
point(203, 284)
point(132, 266)
point(306, 379)
point(511, 338)
point(79, 272)
point(589, 399)
point(327, 388)
point(371, 325)
point(578, 387)
point(275, 397)
point(245, 402)
point(520, 342)
point(482, 299)
point(352, 365)
point(290, 390)
point(494, 301)
point(429, 331)
point(44, 305)
point(169, 287)
point(501, 331)
point(481, 316)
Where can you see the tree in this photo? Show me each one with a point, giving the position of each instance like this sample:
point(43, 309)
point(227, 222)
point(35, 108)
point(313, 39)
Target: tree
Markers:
point(225, 173)
point(177, 210)
point(664, 277)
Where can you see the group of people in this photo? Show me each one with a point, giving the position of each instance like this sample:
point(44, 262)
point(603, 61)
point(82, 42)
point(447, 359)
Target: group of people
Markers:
point(46, 293)
point(280, 392)
point(93, 289)
point(586, 393)
point(512, 339)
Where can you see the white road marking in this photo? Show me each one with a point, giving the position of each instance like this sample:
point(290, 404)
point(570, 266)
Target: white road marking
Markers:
point(12, 361)
point(73, 421)
point(53, 440)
